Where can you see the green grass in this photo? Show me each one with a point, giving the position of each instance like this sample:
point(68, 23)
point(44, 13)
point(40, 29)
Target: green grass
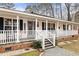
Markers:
point(32, 53)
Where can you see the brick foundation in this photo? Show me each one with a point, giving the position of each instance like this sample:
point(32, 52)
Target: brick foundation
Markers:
point(2, 50)
point(67, 38)
point(15, 46)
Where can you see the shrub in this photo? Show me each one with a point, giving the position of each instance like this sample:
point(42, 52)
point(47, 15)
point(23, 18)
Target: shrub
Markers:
point(37, 44)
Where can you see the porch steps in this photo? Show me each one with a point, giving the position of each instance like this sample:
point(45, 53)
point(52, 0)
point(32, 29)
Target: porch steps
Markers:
point(48, 44)
point(49, 47)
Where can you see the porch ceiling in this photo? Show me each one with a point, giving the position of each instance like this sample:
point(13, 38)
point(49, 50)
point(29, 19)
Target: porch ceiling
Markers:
point(14, 13)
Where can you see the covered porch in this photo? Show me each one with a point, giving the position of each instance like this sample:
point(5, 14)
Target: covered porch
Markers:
point(24, 29)
point(18, 27)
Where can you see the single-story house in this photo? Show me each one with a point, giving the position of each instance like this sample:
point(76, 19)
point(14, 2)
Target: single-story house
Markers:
point(17, 26)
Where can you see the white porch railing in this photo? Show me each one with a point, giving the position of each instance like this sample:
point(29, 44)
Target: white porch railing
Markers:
point(10, 36)
point(66, 32)
point(60, 33)
point(7, 36)
point(27, 35)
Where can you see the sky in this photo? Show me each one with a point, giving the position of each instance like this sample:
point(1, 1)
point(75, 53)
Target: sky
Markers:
point(21, 6)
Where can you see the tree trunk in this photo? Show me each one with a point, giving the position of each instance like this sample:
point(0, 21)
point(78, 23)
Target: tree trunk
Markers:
point(61, 11)
point(68, 11)
point(52, 10)
point(68, 14)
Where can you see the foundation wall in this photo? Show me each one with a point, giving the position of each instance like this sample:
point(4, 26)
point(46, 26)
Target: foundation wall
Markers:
point(15, 46)
point(67, 38)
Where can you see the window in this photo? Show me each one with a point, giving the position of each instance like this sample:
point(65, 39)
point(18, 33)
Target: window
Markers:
point(8, 28)
point(51, 26)
point(8, 24)
point(14, 24)
point(21, 24)
point(75, 27)
point(37, 24)
point(31, 25)
point(71, 27)
point(67, 27)
point(8, 21)
point(48, 26)
point(43, 26)
point(64, 27)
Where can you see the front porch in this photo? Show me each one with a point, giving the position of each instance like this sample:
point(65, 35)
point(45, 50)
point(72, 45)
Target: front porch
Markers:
point(21, 27)
point(38, 29)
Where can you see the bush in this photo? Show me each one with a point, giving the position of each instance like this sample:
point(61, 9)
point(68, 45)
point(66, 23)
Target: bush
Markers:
point(37, 44)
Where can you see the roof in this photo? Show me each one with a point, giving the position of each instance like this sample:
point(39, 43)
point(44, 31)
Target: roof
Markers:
point(35, 15)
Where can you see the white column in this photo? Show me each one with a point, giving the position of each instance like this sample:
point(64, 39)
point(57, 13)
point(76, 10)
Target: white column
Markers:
point(12, 30)
point(72, 29)
point(12, 24)
point(69, 27)
point(4, 23)
point(4, 29)
point(57, 29)
point(72, 26)
point(54, 40)
point(43, 43)
point(66, 29)
point(66, 26)
point(46, 27)
point(17, 28)
point(36, 28)
point(77, 29)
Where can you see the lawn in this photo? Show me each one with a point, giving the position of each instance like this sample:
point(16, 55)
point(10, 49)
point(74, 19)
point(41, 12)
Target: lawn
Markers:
point(74, 46)
point(32, 53)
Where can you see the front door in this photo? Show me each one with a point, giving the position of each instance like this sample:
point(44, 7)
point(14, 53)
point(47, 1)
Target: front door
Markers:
point(31, 29)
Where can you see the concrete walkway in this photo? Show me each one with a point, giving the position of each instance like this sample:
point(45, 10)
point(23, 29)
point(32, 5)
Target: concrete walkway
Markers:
point(57, 51)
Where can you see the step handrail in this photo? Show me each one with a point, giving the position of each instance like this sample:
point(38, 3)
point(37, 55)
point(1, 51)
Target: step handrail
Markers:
point(49, 40)
point(43, 40)
point(53, 36)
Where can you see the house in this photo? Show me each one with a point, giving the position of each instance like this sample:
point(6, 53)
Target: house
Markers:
point(17, 26)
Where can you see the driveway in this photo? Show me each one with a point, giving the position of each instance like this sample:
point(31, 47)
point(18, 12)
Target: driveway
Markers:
point(57, 51)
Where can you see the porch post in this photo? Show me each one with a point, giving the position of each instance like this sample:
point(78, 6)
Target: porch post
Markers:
point(77, 29)
point(17, 28)
point(36, 29)
point(12, 24)
point(57, 29)
point(72, 27)
point(72, 30)
point(46, 27)
point(66, 29)
point(4, 24)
